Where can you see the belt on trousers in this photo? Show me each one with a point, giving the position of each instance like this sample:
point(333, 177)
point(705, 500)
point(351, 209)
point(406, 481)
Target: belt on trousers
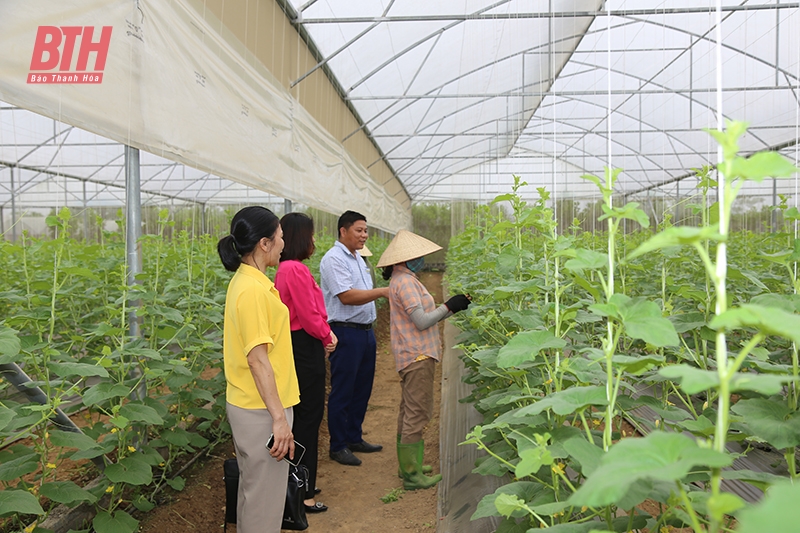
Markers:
point(353, 325)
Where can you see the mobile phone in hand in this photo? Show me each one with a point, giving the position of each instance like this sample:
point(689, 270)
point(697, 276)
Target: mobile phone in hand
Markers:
point(299, 451)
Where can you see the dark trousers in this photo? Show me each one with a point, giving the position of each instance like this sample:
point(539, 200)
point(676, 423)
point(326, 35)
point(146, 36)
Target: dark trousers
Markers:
point(309, 363)
point(352, 374)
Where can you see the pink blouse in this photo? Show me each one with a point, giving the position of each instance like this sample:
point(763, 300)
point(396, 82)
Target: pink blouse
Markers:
point(301, 294)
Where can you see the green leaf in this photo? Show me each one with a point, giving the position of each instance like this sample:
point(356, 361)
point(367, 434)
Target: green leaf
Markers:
point(677, 236)
point(143, 504)
point(723, 504)
point(66, 492)
point(692, 380)
point(586, 454)
point(18, 467)
point(177, 483)
point(81, 272)
point(507, 503)
point(778, 512)
point(630, 211)
point(138, 412)
point(104, 391)
point(587, 260)
point(525, 346)
point(523, 319)
point(642, 320)
point(9, 342)
point(119, 522)
point(524, 490)
point(687, 321)
point(567, 401)
point(68, 439)
point(132, 470)
point(768, 320)
point(702, 427)
point(19, 502)
point(760, 166)
point(637, 364)
point(531, 460)
point(593, 179)
point(770, 420)
point(177, 437)
point(659, 456)
point(6, 416)
point(65, 370)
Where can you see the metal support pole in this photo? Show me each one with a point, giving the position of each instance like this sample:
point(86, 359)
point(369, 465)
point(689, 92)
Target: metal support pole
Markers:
point(202, 218)
point(774, 204)
point(13, 207)
point(133, 249)
point(133, 227)
point(85, 215)
point(287, 206)
point(2, 223)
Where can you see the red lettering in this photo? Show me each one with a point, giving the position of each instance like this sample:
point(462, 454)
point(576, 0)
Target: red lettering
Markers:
point(70, 33)
point(101, 48)
point(42, 46)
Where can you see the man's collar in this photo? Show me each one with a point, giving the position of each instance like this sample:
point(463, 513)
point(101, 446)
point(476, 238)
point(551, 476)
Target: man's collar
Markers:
point(340, 243)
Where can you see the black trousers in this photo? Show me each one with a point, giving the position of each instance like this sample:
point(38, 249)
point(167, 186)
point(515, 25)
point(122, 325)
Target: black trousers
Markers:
point(309, 362)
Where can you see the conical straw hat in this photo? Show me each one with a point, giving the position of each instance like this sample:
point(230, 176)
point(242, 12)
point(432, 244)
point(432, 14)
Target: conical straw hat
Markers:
point(406, 246)
point(365, 252)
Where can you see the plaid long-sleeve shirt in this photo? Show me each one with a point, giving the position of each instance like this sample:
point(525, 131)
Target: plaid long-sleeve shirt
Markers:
point(406, 293)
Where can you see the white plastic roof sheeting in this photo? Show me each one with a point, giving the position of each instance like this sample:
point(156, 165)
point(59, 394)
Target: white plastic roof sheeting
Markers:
point(461, 96)
point(54, 164)
point(177, 87)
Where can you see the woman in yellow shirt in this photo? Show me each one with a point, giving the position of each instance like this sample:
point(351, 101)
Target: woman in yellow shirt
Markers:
point(259, 369)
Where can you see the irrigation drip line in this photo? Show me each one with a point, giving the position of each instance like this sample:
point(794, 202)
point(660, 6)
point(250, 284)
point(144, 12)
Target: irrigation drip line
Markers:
point(24, 384)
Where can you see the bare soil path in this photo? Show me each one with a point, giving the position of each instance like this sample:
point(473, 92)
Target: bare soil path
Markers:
point(351, 493)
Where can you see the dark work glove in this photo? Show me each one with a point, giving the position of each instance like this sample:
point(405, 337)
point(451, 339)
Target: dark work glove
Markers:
point(457, 303)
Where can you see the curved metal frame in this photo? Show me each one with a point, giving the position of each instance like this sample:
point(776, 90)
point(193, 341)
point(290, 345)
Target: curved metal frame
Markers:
point(631, 16)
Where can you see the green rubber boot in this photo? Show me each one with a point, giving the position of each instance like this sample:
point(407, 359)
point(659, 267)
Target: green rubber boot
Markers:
point(426, 469)
point(410, 458)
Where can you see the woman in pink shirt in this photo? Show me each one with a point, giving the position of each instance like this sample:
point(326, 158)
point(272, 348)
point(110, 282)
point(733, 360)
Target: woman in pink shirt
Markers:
point(312, 339)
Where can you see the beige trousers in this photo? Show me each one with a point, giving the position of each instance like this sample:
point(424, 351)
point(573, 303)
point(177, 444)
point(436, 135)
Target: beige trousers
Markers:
point(416, 401)
point(262, 479)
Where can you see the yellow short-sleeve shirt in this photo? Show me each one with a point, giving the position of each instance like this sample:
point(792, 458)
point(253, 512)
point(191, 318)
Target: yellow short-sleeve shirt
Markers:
point(255, 314)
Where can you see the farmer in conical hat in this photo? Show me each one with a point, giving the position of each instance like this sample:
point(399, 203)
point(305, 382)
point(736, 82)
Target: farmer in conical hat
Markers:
point(416, 346)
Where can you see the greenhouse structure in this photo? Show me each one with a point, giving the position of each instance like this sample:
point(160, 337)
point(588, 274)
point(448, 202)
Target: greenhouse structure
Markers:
point(614, 184)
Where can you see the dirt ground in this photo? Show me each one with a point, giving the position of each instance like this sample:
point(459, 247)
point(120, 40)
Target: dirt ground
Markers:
point(351, 493)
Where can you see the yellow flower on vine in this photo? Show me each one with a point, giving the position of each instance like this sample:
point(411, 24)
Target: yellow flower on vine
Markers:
point(51, 465)
point(114, 430)
point(558, 468)
point(110, 488)
point(131, 449)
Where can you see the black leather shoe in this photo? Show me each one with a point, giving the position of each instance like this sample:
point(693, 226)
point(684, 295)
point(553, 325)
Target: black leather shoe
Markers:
point(364, 447)
point(345, 457)
point(318, 507)
point(317, 490)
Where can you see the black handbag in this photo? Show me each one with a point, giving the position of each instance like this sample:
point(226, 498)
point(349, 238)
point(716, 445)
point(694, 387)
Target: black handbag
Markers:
point(231, 477)
point(294, 512)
